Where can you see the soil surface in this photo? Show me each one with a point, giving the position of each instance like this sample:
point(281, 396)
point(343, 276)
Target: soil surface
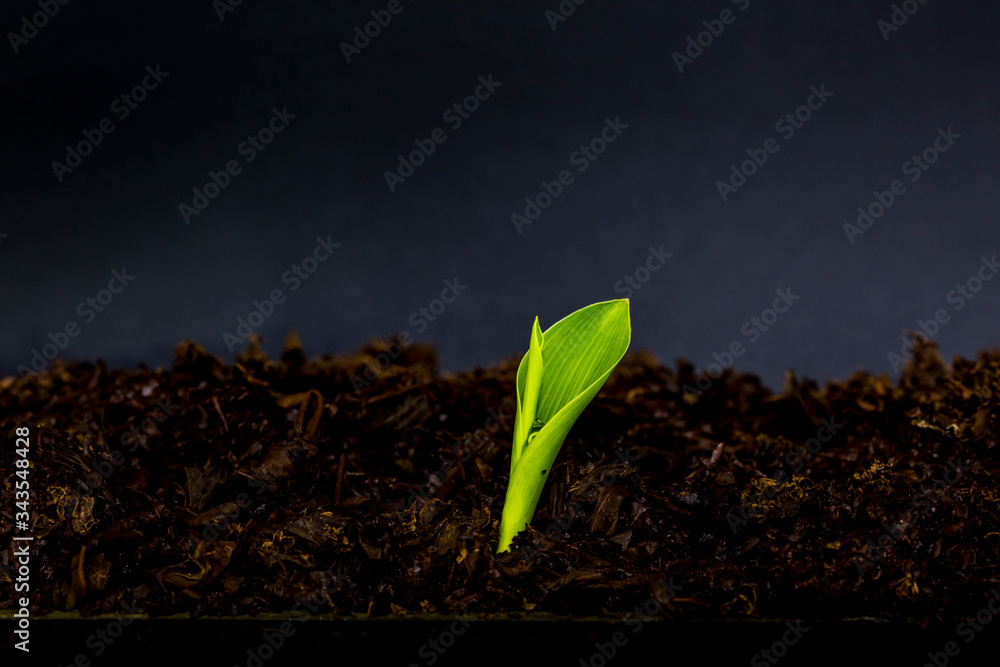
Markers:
point(225, 490)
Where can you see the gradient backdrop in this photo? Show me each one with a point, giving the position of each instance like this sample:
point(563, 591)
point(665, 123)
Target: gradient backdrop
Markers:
point(688, 92)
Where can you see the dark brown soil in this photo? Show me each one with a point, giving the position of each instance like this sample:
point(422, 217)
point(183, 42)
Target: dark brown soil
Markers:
point(243, 489)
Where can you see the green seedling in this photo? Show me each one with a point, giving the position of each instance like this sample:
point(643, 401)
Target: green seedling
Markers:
point(563, 370)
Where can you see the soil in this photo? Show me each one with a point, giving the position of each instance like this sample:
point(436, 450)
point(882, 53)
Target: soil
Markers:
point(229, 490)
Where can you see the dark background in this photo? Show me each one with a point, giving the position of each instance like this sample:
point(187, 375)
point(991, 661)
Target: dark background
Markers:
point(655, 185)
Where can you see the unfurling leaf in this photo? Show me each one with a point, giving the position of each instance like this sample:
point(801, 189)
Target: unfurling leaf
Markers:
point(563, 370)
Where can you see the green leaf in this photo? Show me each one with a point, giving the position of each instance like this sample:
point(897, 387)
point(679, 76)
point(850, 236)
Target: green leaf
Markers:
point(529, 386)
point(564, 369)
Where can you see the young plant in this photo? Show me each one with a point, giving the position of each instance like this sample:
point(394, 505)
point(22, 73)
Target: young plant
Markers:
point(563, 370)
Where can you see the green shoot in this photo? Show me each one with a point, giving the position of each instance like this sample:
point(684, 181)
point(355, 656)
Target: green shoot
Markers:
point(563, 370)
